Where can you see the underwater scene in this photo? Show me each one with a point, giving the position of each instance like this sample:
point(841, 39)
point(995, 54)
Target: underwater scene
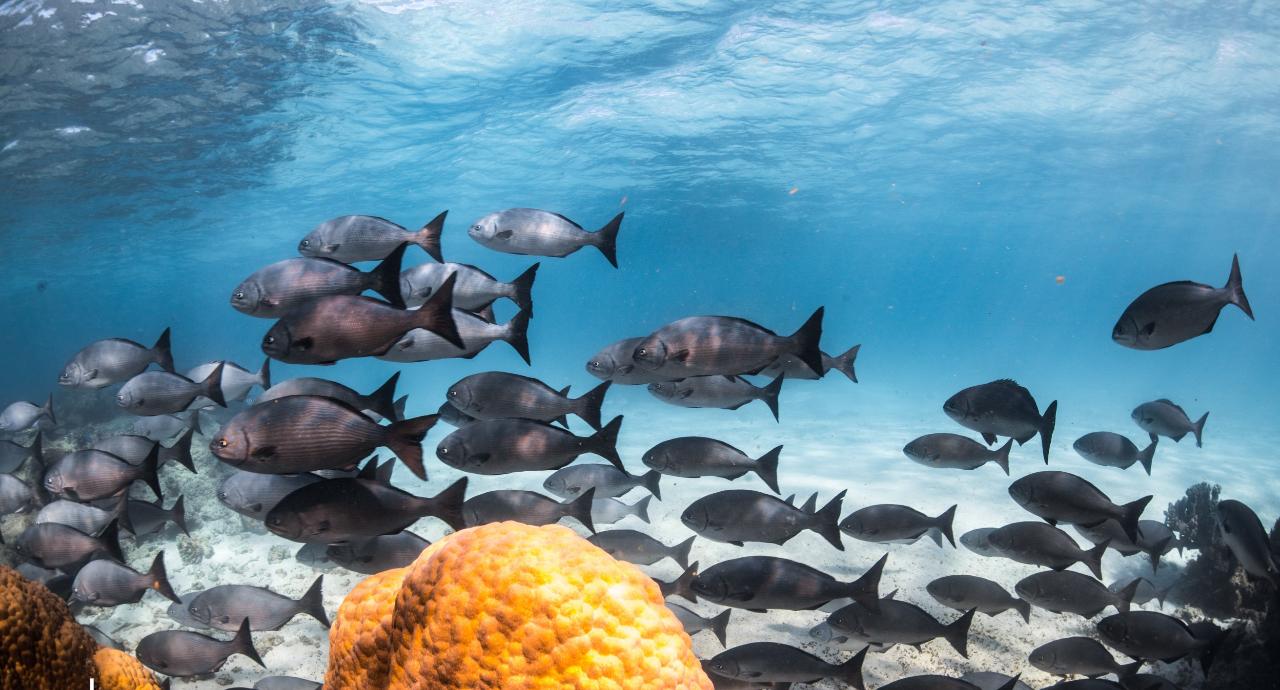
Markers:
point(442, 345)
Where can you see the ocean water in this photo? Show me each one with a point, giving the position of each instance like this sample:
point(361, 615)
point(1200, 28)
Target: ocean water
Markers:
point(972, 190)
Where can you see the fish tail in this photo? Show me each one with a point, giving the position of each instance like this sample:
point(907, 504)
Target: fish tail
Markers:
point(405, 440)
point(1197, 428)
point(826, 521)
point(1047, 423)
point(211, 386)
point(1130, 513)
point(844, 363)
point(436, 314)
point(1124, 598)
point(1023, 608)
point(1012, 683)
point(1235, 288)
point(770, 395)
point(1002, 456)
point(122, 514)
point(264, 374)
point(429, 237)
point(767, 468)
point(1126, 670)
point(851, 670)
point(1210, 651)
point(110, 539)
point(720, 626)
point(805, 342)
point(605, 444)
point(178, 514)
point(160, 579)
point(48, 410)
point(683, 585)
point(606, 239)
point(1157, 551)
point(1146, 456)
point(161, 353)
point(522, 285)
point(312, 603)
point(398, 407)
point(149, 471)
point(517, 335)
point(945, 523)
point(641, 508)
point(194, 422)
point(588, 406)
point(447, 505)
point(182, 450)
point(242, 643)
point(866, 589)
point(383, 473)
point(1093, 558)
point(580, 509)
point(385, 278)
point(382, 400)
point(651, 480)
point(680, 552)
point(957, 633)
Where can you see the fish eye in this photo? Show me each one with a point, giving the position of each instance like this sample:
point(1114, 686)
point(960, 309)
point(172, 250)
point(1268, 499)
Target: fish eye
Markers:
point(277, 521)
point(453, 394)
point(476, 227)
point(444, 451)
point(642, 351)
point(222, 496)
point(306, 243)
point(222, 443)
point(269, 340)
point(239, 294)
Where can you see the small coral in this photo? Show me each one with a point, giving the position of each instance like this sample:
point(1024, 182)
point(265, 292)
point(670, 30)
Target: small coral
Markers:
point(118, 671)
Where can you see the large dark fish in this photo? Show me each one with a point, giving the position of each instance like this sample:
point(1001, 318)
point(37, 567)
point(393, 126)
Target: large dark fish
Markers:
point(474, 290)
point(382, 402)
point(1036, 543)
point(14, 455)
point(51, 545)
point(1113, 450)
point(607, 480)
point(1154, 539)
point(737, 516)
point(500, 446)
point(1150, 636)
point(1163, 418)
point(148, 518)
point(500, 395)
point(708, 345)
point(16, 496)
point(953, 451)
point(134, 449)
point(275, 290)
point(221, 606)
point(88, 475)
point(694, 623)
point(964, 592)
point(794, 368)
point(699, 456)
point(1064, 497)
point(772, 662)
point(1068, 592)
point(477, 333)
point(346, 509)
point(616, 363)
point(161, 392)
point(723, 392)
point(1003, 408)
point(253, 495)
point(528, 507)
point(368, 238)
point(104, 362)
point(236, 380)
point(722, 683)
point(760, 583)
point(1244, 534)
point(301, 433)
point(894, 524)
point(23, 415)
point(383, 552)
point(535, 232)
point(640, 548)
point(1079, 656)
point(107, 583)
point(1176, 312)
point(328, 329)
point(899, 622)
point(184, 653)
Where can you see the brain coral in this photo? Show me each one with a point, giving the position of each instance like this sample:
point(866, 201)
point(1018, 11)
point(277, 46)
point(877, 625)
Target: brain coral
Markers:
point(512, 607)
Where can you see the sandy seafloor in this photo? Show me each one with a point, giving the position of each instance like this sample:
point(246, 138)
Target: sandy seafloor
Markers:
point(828, 447)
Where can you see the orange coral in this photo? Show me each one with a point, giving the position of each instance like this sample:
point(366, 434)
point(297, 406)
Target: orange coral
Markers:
point(119, 671)
point(512, 607)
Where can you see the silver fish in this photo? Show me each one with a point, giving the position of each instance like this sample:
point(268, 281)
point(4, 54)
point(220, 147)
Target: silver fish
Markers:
point(23, 415)
point(1176, 312)
point(160, 392)
point(166, 426)
point(380, 553)
point(236, 380)
point(104, 362)
point(15, 495)
point(254, 495)
point(616, 363)
point(14, 455)
point(978, 541)
point(607, 511)
point(1163, 418)
point(474, 290)
point(220, 607)
point(147, 518)
point(694, 623)
point(1036, 543)
point(420, 344)
point(607, 480)
point(794, 368)
point(640, 548)
point(1113, 450)
point(543, 233)
point(88, 475)
point(709, 345)
point(368, 238)
point(107, 583)
point(84, 517)
point(724, 392)
point(51, 545)
point(382, 402)
point(134, 449)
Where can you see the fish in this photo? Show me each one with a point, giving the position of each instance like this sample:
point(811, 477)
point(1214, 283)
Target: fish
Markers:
point(607, 480)
point(722, 683)
point(528, 507)
point(695, 623)
point(1065, 497)
point(474, 290)
point(770, 662)
point(148, 518)
point(51, 545)
point(1003, 408)
point(1079, 656)
point(383, 552)
point(760, 583)
point(794, 368)
point(699, 456)
point(381, 402)
point(220, 607)
point(421, 345)
point(301, 433)
point(1176, 312)
point(724, 392)
point(1147, 681)
point(710, 345)
point(1164, 418)
point(1154, 539)
point(964, 592)
point(1151, 636)
point(1068, 592)
point(681, 586)
point(84, 517)
point(160, 392)
point(953, 451)
point(932, 681)
point(978, 541)
point(316, 556)
point(736, 516)
point(112, 360)
point(501, 395)
point(1086, 684)
point(900, 622)
point(1243, 533)
point(56, 581)
point(183, 653)
point(350, 239)
point(14, 455)
point(346, 509)
point(607, 511)
point(615, 362)
point(15, 495)
point(236, 380)
point(88, 475)
point(1143, 590)
point(501, 446)
point(253, 495)
point(22, 415)
point(103, 639)
point(894, 524)
point(531, 231)
point(107, 583)
point(329, 329)
point(1036, 543)
point(166, 426)
point(640, 548)
point(1113, 450)
point(285, 683)
point(134, 449)
point(824, 633)
point(986, 680)
point(277, 289)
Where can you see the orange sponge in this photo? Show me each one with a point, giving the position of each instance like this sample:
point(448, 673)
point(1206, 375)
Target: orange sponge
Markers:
point(119, 671)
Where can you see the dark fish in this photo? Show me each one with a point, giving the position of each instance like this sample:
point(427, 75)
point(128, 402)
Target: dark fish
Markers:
point(616, 363)
point(1176, 312)
point(147, 517)
point(936, 682)
point(640, 548)
point(771, 662)
point(1244, 534)
point(501, 446)
point(737, 516)
point(682, 585)
point(694, 623)
point(824, 633)
point(953, 451)
point(723, 392)
point(380, 553)
point(1003, 408)
point(1113, 450)
point(51, 545)
point(964, 592)
point(381, 402)
point(978, 541)
point(894, 524)
point(368, 238)
point(474, 290)
point(542, 233)
point(1068, 592)
point(1079, 656)
point(986, 680)
point(607, 480)
point(453, 416)
point(254, 495)
point(421, 345)
point(55, 580)
point(793, 368)
point(275, 290)
point(23, 415)
point(1147, 681)
point(607, 511)
point(107, 583)
point(722, 683)
point(88, 475)
point(285, 683)
point(104, 362)
point(221, 606)
point(709, 345)
point(899, 622)
point(14, 455)
point(759, 583)
point(1036, 543)
point(301, 433)
point(527, 507)
point(699, 456)
point(1163, 418)
point(500, 395)
point(340, 510)
point(87, 518)
point(166, 426)
point(1065, 497)
point(1150, 636)
point(15, 495)
point(1086, 684)
point(1154, 539)
point(316, 556)
point(183, 653)
point(161, 392)
point(134, 449)
point(328, 329)
point(236, 380)
point(1143, 590)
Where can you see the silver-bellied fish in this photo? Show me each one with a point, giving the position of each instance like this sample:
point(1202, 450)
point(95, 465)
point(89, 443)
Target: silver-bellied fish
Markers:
point(542, 233)
point(104, 362)
point(276, 289)
point(709, 345)
point(474, 290)
point(369, 238)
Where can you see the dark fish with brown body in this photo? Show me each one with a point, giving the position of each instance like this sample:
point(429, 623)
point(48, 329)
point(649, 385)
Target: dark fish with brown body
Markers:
point(253, 495)
point(341, 510)
point(104, 362)
point(1154, 539)
point(474, 290)
point(328, 329)
point(1065, 497)
point(723, 392)
point(737, 516)
point(616, 363)
point(148, 518)
point(14, 455)
point(1176, 312)
point(16, 496)
point(640, 548)
point(160, 392)
point(760, 583)
point(1003, 408)
point(477, 333)
point(953, 451)
point(1036, 543)
point(1113, 450)
point(536, 232)
point(1079, 656)
point(182, 653)
point(1164, 418)
point(964, 592)
point(899, 622)
point(699, 456)
point(501, 446)
point(107, 583)
point(1244, 534)
point(88, 475)
point(301, 433)
point(382, 402)
point(527, 507)
point(221, 606)
point(772, 662)
point(1068, 592)
point(368, 238)
point(275, 290)
point(793, 368)
point(380, 553)
point(607, 480)
point(709, 345)
point(1150, 636)
point(134, 449)
point(51, 545)
point(894, 524)
point(500, 395)
point(694, 623)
